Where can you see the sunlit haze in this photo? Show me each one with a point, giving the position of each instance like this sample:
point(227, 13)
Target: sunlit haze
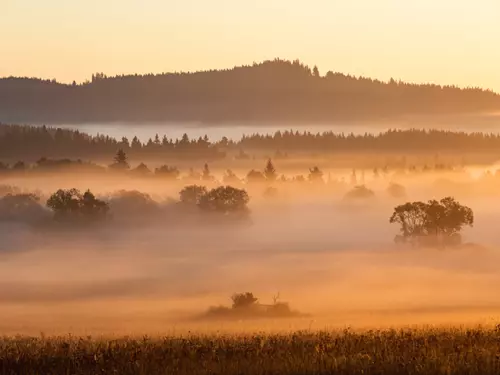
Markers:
point(445, 41)
point(320, 197)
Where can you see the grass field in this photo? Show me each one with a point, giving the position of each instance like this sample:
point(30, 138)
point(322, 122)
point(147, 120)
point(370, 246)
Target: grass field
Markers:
point(429, 351)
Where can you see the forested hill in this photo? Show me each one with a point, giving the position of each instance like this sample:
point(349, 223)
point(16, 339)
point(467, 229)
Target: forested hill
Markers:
point(271, 91)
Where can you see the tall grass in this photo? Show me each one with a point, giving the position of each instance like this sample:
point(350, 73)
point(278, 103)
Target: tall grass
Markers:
point(450, 351)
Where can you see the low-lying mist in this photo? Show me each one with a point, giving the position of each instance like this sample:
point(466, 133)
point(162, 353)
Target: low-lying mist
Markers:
point(334, 260)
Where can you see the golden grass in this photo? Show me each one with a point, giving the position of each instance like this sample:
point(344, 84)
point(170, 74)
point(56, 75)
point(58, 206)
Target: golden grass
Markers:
point(425, 351)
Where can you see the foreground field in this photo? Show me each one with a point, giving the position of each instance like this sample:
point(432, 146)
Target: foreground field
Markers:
point(433, 351)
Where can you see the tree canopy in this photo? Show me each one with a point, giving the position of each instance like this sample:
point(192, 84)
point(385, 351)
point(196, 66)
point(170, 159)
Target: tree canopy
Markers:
point(192, 194)
point(435, 221)
point(225, 199)
point(72, 205)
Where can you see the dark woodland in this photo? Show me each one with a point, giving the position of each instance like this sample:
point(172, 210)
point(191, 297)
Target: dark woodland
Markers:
point(276, 90)
point(29, 143)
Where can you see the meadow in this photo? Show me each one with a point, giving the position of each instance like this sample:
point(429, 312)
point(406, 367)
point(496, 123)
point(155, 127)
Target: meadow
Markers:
point(406, 351)
point(161, 264)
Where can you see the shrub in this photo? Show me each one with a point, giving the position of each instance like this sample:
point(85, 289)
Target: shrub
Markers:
point(243, 300)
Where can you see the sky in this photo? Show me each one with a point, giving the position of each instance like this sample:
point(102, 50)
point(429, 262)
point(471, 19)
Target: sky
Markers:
point(439, 41)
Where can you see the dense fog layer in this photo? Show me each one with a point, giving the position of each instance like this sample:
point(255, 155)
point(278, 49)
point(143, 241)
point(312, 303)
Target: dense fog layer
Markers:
point(327, 256)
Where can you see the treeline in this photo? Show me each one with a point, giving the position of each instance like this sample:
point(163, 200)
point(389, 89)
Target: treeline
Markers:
point(71, 206)
point(276, 90)
point(31, 142)
point(435, 223)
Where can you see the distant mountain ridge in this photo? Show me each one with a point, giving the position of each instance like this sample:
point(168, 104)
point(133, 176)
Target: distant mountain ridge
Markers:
point(277, 90)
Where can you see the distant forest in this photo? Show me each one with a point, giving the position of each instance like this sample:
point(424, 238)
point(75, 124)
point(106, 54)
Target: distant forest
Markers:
point(276, 90)
point(32, 142)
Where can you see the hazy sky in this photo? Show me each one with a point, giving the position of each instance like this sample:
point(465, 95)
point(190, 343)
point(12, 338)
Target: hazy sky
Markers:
point(442, 41)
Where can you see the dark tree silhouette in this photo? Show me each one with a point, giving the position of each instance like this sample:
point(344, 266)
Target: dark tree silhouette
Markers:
point(64, 202)
point(270, 171)
point(192, 194)
point(225, 200)
point(243, 300)
point(435, 222)
point(91, 207)
point(275, 90)
point(315, 71)
point(120, 161)
point(412, 217)
point(71, 205)
point(24, 142)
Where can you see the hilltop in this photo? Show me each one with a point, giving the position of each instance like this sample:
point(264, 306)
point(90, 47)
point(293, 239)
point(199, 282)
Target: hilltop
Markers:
point(271, 91)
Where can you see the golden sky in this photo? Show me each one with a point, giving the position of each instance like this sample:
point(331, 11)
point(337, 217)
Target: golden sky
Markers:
point(440, 41)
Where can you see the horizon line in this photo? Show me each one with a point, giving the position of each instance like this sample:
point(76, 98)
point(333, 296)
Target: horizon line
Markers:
point(253, 64)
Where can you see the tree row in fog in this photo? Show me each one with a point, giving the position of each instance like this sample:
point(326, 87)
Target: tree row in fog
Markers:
point(72, 207)
point(28, 142)
point(121, 167)
point(435, 223)
point(276, 90)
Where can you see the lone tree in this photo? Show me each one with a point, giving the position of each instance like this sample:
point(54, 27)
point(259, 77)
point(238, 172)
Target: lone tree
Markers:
point(270, 171)
point(192, 194)
point(225, 200)
point(120, 160)
point(434, 222)
point(71, 204)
